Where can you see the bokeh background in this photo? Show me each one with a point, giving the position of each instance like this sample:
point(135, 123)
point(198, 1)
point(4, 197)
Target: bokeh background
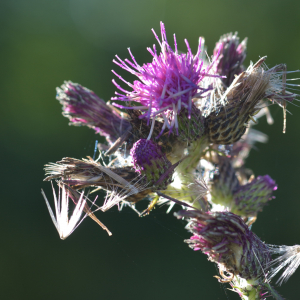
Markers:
point(43, 43)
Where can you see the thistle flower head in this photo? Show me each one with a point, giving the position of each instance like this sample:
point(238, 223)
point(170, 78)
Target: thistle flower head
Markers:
point(228, 241)
point(231, 58)
point(149, 161)
point(182, 113)
point(84, 107)
point(250, 199)
point(169, 82)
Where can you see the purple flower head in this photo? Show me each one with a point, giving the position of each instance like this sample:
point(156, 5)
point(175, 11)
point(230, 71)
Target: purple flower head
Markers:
point(232, 56)
point(170, 82)
point(250, 199)
point(148, 160)
point(228, 241)
point(84, 107)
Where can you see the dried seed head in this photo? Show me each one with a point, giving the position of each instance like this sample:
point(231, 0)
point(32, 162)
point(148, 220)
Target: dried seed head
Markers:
point(228, 123)
point(88, 173)
point(84, 108)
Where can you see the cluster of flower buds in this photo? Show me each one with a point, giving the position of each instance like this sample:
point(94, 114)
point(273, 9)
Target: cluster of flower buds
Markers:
point(181, 136)
point(242, 199)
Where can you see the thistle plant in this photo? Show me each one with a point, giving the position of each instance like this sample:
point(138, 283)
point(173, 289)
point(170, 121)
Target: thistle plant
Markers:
point(181, 136)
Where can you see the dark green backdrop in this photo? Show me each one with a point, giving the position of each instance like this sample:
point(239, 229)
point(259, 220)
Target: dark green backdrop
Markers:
point(43, 43)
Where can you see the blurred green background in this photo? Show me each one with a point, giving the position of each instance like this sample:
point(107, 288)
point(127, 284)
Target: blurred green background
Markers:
point(43, 43)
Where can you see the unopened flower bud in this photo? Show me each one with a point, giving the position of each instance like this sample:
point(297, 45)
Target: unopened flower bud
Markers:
point(149, 161)
point(227, 241)
point(225, 183)
point(190, 125)
point(231, 58)
point(244, 200)
point(250, 199)
point(84, 107)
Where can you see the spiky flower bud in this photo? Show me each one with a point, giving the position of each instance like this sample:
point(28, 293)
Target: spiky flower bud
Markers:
point(149, 161)
point(227, 124)
point(231, 58)
point(225, 183)
point(227, 241)
point(250, 199)
point(244, 200)
point(84, 108)
point(190, 125)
